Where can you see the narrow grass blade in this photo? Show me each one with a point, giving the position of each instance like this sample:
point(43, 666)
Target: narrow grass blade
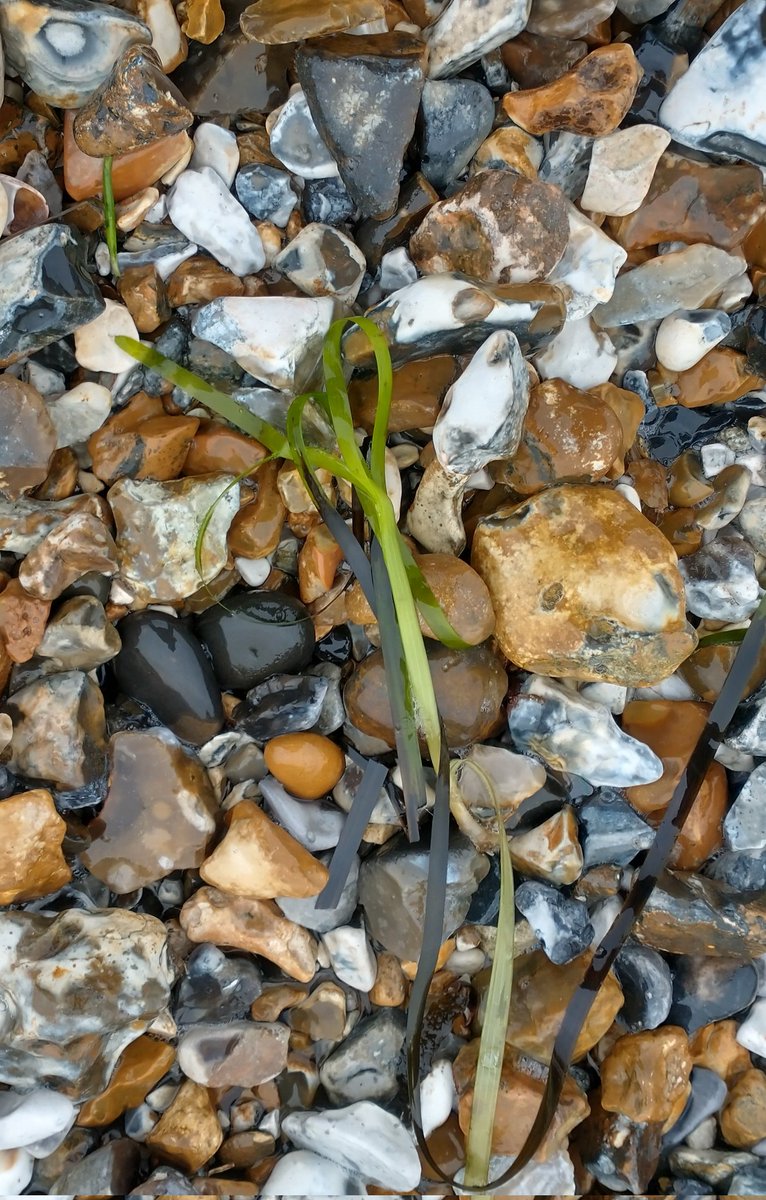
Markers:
point(723, 637)
point(428, 606)
point(400, 694)
point(205, 522)
point(365, 799)
point(225, 406)
point(110, 216)
point(492, 1046)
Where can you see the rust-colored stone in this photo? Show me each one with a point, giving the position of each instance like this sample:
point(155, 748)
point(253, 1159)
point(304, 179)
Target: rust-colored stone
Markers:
point(218, 447)
point(145, 296)
point(138, 1069)
point(721, 376)
point(203, 20)
point(318, 560)
point(22, 621)
point(419, 388)
point(716, 1048)
point(279, 22)
point(198, 280)
point(257, 528)
point(590, 99)
point(650, 481)
point(645, 1075)
point(141, 442)
point(31, 861)
point(390, 988)
point(83, 174)
point(706, 669)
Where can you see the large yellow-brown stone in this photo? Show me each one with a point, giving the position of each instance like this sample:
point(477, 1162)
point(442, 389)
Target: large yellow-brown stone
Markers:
point(584, 586)
point(139, 1067)
point(256, 926)
point(743, 1117)
point(590, 99)
point(645, 1075)
point(188, 1132)
point(31, 861)
point(260, 860)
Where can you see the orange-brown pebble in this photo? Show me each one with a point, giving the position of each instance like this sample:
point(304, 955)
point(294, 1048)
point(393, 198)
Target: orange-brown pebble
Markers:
point(715, 1047)
point(274, 1000)
point(318, 560)
point(389, 989)
point(743, 1117)
point(83, 175)
point(218, 447)
point(671, 728)
point(145, 297)
point(645, 1075)
point(188, 1132)
point(22, 621)
point(718, 378)
point(31, 860)
point(590, 99)
point(418, 390)
point(139, 1067)
point(257, 527)
point(308, 765)
point(199, 279)
point(140, 441)
point(706, 669)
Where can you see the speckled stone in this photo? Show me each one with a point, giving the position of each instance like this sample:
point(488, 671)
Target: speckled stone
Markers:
point(31, 860)
point(592, 98)
point(58, 730)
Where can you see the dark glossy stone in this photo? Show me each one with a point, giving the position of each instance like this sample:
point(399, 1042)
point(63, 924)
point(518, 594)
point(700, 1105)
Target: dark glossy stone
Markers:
point(165, 1181)
point(363, 93)
point(45, 290)
point(266, 193)
point(282, 704)
point(369, 1064)
point(710, 989)
point(392, 889)
point(706, 1099)
point(335, 646)
point(611, 831)
point(162, 665)
point(647, 985)
point(327, 201)
point(255, 635)
point(661, 64)
point(215, 988)
point(742, 870)
point(376, 238)
point(562, 924)
point(233, 73)
point(455, 117)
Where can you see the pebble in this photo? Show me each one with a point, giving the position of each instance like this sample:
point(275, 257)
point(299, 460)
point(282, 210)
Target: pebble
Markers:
point(296, 1173)
point(470, 686)
point(58, 730)
point(278, 339)
point(621, 169)
point(316, 826)
point(363, 92)
point(587, 271)
point(368, 1064)
point(323, 261)
point(684, 338)
point(707, 1095)
point(217, 148)
point(645, 1076)
point(742, 1116)
point(685, 278)
point(647, 984)
point(27, 441)
point(744, 825)
point(296, 141)
point(32, 863)
point(141, 1065)
point(580, 355)
point(688, 914)
point(140, 441)
point(216, 988)
point(362, 1139)
point(610, 830)
point(257, 858)
point(79, 412)
point(455, 117)
point(321, 920)
point(351, 956)
point(188, 1133)
point(74, 1042)
point(163, 666)
point(561, 924)
point(307, 764)
point(720, 580)
point(256, 926)
point(16, 1168)
point(204, 210)
point(78, 545)
point(546, 613)
point(238, 1054)
point(37, 1121)
point(710, 989)
point(550, 851)
point(461, 34)
point(499, 227)
point(283, 704)
point(64, 54)
point(622, 1154)
point(159, 814)
point(157, 527)
point(266, 192)
point(592, 98)
point(108, 1171)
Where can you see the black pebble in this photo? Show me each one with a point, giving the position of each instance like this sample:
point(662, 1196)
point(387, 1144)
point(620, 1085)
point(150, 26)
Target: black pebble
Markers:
point(254, 635)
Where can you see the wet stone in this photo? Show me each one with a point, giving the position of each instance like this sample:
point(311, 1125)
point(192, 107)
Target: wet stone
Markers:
point(315, 826)
point(322, 261)
point(307, 764)
point(611, 831)
point(685, 337)
point(238, 1054)
point(110, 977)
point(647, 984)
point(707, 1095)
point(28, 438)
point(547, 623)
point(282, 704)
point(368, 1065)
point(274, 22)
point(744, 824)
point(587, 272)
point(58, 730)
point(145, 296)
point(456, 116)
point(470, 686)
point(296, 142)
point(499, 227)
point(590, 99)
point(157, 527)
point(259, 859)
point(720, 580)
point(392, 892)
point(44, 274)
point(534, 58)
point(188, 1132)
point(682, 279)
point(159, 813)
point(621, 169)
point(687, 914)
point(254, 636)
point(141, 1065)
point(645, 1075)
point(80, 637)
point(550, 851)
point(266, 192)
point(31, 860)
point(622, 1154)
point(215, 987)
point(562, 924)
point(362, 1139)
point(135, 106)
point(162, 665)
point(346, 79)
point(108, 1171)
point(64, 52)
point(462, 33)
point(140, 441)
point(204, 210)
point(130, 173)
point(322, 920)
point(710, 989)
point(743, 1114)
point(327, 200)
point(199, 279)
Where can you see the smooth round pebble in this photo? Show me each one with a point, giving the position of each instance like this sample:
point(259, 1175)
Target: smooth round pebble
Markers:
point(255, 635)
point(307, 764)
point(94, 344)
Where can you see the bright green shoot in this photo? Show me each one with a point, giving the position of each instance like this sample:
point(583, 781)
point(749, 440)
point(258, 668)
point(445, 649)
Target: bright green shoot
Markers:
point(110, 216)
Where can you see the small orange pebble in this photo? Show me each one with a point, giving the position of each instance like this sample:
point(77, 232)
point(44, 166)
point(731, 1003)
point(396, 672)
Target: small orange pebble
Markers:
point(307, 764)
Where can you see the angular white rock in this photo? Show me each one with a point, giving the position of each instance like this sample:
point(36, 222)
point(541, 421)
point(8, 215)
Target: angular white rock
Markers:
point(296, 141)
point(167, 39)
point(718, 104)
point(752, 1032)
point(437, 1095)
point(16, 1167)
point(580, 355)
point(94, 344)
point(79, 412)
point(254, 571)
point(554, 1177)
point(29, 1117)
point(302, 1173)
point(278, 339)
point(203, 209)
point(467, 29)
point(655, 289)
point(217, 148)
point(587, 272)
point(323, 261)
point(482, 417)
point(576, 735)
point(397, 270)
point(686, 336)
point(363, 1139)
point(744, 826)
point(351, 956)
point(621, 169)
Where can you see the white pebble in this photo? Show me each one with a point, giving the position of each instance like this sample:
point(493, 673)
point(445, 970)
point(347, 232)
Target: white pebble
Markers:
point(79, 412)
point(685, 337)
point(16, 1168)
point(217, 148)
point(29, 1117)
point(621, 169)
point(94, 345)
point(752, 1032)
point(715, 456)
point(351, 956)
point(437, 1096)
point(396, 270)
point(254, 571)
point(204, 210)
point(302, 1173)
point(579, 355)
